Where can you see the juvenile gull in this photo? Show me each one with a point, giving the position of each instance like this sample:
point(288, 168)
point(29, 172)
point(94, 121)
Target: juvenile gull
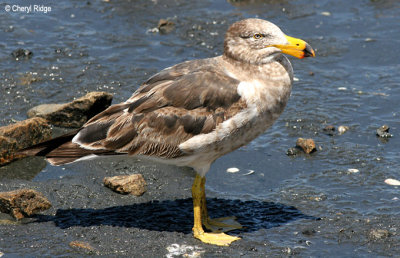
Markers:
point(194, 112)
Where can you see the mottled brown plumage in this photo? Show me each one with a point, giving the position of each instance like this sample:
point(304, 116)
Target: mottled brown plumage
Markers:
point(194, 112)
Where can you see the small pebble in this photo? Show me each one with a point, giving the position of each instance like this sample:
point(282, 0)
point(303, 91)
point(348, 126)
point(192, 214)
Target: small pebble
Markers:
point(293, 151)
point(9, 29)
point(165, 26)
point(307, 145)
point(342, 129)
point(379, 234)
point(353, 170)
point(317, 198)
point(309, 232)
point(22, 53)
point(127, 184)
point(232, 170)
point(391, 181)
point(329, 130)
point(153, 30)
point(383, 132)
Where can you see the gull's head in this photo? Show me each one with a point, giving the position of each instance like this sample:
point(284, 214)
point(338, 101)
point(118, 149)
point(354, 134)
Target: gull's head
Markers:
point(259, 41)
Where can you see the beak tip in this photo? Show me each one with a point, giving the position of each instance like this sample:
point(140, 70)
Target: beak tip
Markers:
point(308, 51)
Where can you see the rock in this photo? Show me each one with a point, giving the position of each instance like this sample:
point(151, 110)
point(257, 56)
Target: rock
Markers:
point(383, 132)
point(353, 170)
point(7, 148)
point(44, 109)
point(379, 234)
point(23, 203)
point(73, 114)
point(391, 181)
point(329, 130)
point(293, 151)
point(165, 26)
point(21, 135)
point(232, 170)
point(309, 232)
point(127, 184)
point(28, 79)
point(307, 145)
point(342, 129)
point(21, 53)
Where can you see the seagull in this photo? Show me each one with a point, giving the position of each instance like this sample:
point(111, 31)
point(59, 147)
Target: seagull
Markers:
point(192, 113)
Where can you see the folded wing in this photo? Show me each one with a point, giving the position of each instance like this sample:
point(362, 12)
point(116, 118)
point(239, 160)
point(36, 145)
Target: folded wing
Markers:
point(174, 105)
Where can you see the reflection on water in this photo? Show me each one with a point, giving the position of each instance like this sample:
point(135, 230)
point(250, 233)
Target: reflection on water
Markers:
point(25, 169)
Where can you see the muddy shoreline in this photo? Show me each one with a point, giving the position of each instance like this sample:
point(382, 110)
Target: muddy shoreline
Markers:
point(335, 201)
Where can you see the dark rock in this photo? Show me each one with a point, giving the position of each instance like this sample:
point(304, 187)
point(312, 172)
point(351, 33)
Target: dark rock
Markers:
point(329, 130)
point(21, 135)
point(58, 50)
point(23, 203)
point(252, 249)
point(10, 28)
point(309, 232)
point(307, 145)
point(21, 53)
point(165, 26)
point(127, 184)
point(293, 151)
point(73, 114)
point(383, 132)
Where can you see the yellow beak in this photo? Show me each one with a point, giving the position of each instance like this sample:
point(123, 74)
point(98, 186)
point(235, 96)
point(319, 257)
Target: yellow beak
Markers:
point(297, 48)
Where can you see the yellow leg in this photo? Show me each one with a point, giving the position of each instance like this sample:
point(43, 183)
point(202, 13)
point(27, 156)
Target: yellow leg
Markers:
point(199, 203)
point(216, 225)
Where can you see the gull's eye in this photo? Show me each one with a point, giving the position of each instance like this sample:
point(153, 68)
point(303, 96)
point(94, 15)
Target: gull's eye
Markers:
point(258, 36)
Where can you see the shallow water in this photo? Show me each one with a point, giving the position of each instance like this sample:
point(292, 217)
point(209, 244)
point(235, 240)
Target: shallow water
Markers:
point(307, 205)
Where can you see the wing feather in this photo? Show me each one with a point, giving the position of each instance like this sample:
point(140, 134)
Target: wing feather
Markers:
point(174, 105)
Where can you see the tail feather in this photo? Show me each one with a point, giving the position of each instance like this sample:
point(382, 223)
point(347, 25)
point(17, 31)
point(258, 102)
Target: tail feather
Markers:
point(43, 148)
point(61, 150)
